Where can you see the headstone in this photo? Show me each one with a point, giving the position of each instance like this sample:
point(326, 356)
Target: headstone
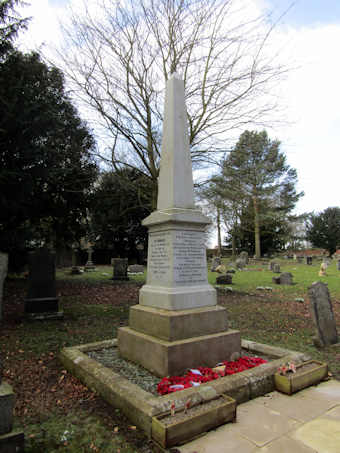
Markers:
point(136, 269)
point(75, 270)
point(309, 260)
point(120, 267)
point(240, 263)
point(226, 279)
point(89, 266)
point(338, 265)
point(271, 265)
point(41, 301)
point(221, 269)
point(322, 314)
point(295, 257)
point(177, 321)
point(3, 274)
point(244, 256)
point(215, 263)
point(276, 280)
point(323, 267)
point(276, 268)
point(286, 278)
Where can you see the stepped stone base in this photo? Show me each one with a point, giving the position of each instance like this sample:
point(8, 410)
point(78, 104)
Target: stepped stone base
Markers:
point(164, 358)
point(6, 407)
point(172, 325)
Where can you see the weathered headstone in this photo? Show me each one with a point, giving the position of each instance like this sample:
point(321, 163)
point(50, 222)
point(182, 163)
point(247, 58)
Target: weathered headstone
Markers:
point(226, 279)
point(136, 269)
point(177, 324)
point(11, 441)
point(215, 263)
point(323, 267)
point(89, 266)
point(322, 314)
point(120, 267)
point(271, 265)
point(286, 278)
point(244, 256)
point(240, 263)
point(221, 269)
point(75, 270)
point(276, 268)
point(41, 301)
point(309, 260)
point(3, 274)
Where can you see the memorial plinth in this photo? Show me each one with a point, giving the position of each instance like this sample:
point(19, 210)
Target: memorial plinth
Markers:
point(177, 323)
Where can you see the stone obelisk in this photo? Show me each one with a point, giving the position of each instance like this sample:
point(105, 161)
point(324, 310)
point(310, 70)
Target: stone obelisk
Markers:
point(177, 323)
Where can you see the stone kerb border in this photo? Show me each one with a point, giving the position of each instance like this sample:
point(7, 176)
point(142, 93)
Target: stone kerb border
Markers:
point(140, 406)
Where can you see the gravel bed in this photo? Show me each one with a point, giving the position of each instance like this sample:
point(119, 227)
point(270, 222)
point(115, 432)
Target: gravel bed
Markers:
point(110, 358)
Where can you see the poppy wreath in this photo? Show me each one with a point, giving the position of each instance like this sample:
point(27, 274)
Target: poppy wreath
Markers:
point(200, 375)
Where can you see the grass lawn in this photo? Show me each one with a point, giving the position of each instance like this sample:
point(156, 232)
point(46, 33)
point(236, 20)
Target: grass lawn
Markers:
point(58, 413)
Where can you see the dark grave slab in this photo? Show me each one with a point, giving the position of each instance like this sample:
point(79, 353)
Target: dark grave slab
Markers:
point(226, 279)
point(120, 269)
point(42, 294)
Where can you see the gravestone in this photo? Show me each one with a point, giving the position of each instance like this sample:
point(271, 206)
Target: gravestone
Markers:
point(11, 440)
point(120, 267)
point(271, 265)
point(41, 301)
point(3, 274)
point(244, 256)
point(221, 269)
point(226, 279)
point(309, 260)
point(89, 266)
point(286, 278)
point(322, 314)
point(136, 269)
point(75, 270)
point(177, 323)
point(215, 263)
point(240, 263)
point(276, 268)
point(323, 267)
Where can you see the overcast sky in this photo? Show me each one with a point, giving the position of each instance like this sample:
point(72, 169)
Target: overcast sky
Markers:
point(310, 32)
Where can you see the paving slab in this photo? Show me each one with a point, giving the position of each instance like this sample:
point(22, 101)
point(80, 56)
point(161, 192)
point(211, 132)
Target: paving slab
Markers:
point(221, 440)
point(306, 422)
point(261, 424)
point(322, 434)
point(286, 445)
point(302, 407)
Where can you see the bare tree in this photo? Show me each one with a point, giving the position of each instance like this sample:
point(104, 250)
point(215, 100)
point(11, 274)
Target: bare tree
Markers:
point(119, 54)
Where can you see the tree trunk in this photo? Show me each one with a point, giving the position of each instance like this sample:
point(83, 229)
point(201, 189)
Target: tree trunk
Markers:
point(257, 229)
point(233, 244)
point(219, 241)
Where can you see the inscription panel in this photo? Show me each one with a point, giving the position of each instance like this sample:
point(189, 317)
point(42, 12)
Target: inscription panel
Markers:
point(189, 256)
point(159, 258)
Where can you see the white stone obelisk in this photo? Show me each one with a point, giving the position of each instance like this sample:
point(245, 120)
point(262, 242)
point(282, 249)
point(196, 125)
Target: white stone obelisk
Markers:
point(177, 267)
point(177, 323)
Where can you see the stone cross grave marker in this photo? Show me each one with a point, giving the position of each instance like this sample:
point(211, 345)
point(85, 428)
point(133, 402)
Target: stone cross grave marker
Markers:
point(177, 320)
point(322, 314)
point(41, 301)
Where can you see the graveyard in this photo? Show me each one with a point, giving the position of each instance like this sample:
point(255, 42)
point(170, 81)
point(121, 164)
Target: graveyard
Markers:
point(50, 401)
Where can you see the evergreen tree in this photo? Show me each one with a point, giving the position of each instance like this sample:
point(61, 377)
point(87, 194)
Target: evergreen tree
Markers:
point(258, 183)
point(323, 229)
